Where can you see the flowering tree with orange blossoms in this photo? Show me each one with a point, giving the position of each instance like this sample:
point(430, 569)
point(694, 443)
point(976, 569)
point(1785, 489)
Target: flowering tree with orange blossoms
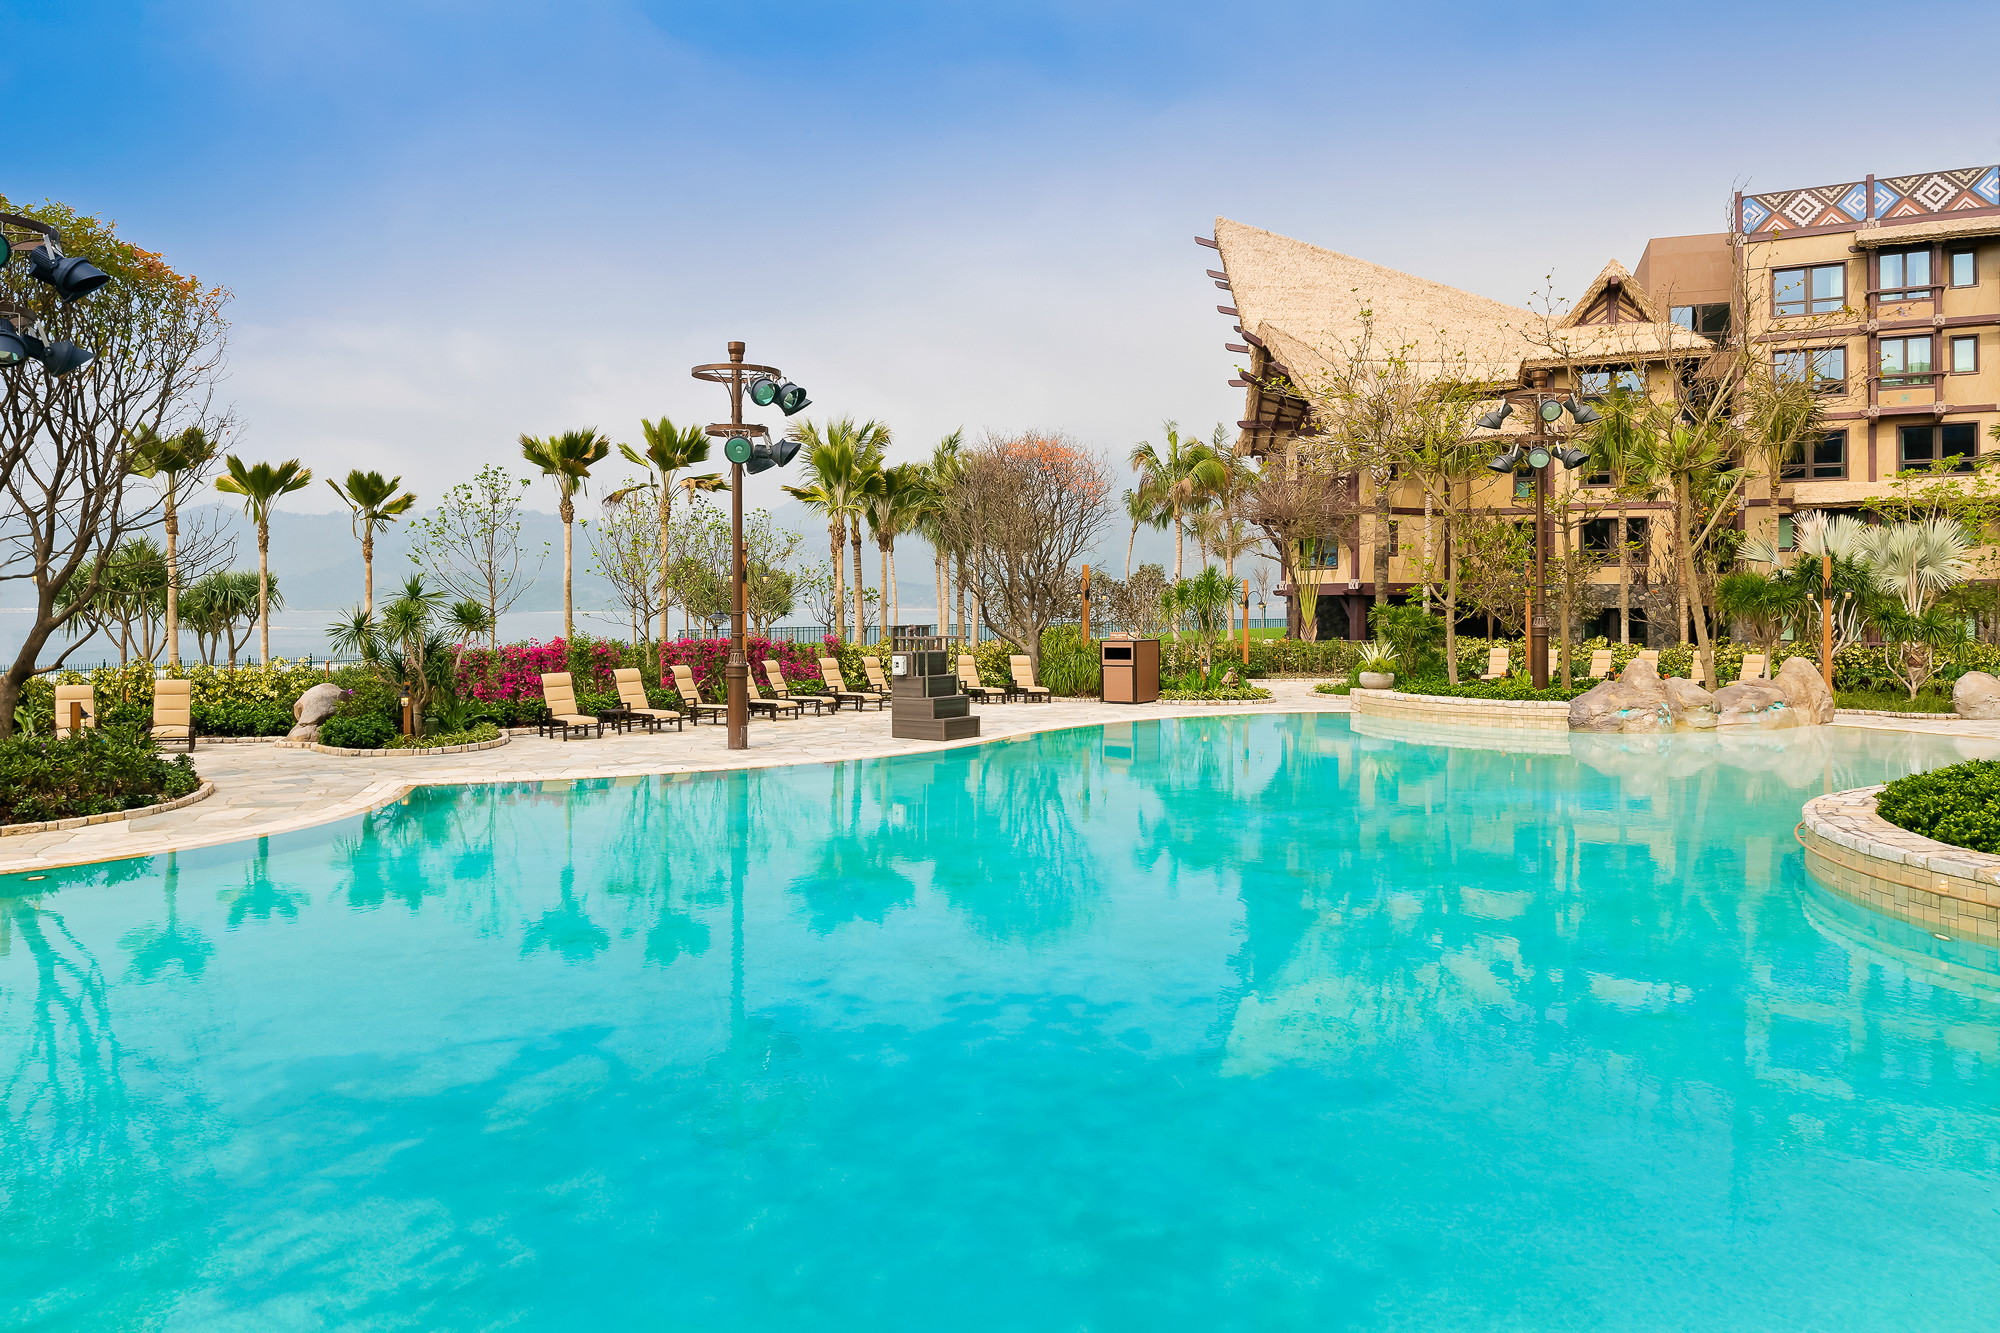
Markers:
point(1025, 509)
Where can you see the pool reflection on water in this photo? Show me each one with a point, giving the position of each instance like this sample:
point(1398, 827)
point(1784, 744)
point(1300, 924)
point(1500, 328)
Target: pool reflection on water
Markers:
point(1243, 1022)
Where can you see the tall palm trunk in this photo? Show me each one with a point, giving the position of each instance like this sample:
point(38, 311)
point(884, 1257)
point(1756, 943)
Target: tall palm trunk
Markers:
point(173, 579)
point(1624, 580)
point(1131, 538)
point(1382, 498)
point(1179, 534)
point(666, 515)
point(368, 571)
point(1690, 590)
point(263, 591)
point(937, 567)
point(839, 579)
point(860, 602)
point(883, 610)
point(568, 510)
point(964, 630)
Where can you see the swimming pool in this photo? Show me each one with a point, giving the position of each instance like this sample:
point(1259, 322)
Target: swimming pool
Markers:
point(1230, 1023)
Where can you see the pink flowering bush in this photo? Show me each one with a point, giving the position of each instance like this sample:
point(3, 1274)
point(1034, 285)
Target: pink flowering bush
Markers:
point(508, 682)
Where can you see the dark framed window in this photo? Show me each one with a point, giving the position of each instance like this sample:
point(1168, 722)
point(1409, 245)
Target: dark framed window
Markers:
point(1906, 275)
point(1524, 485)
point(1965, 354)
point(1828, 461)
point(1600, 535)
point(1825, 368)
point(1924, 445)
point(1964, 268)
point(1711, 321)
point(1324, 554)
point(1818, 290)
point(1597, 383)
point(1906, 361)
point(1395, 537)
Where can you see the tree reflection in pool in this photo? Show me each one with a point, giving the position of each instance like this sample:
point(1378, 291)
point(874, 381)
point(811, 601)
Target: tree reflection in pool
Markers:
point(1233, 1023)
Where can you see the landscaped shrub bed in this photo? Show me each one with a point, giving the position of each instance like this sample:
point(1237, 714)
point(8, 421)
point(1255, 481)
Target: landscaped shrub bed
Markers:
point(1959, 805)
point(484, 731)
point(1244, 693)
point(1512, 688)
point(1892, 701)
point(94, 773)
point(358, 731)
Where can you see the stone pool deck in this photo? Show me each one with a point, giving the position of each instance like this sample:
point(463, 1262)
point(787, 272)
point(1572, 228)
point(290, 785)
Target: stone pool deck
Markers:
point(265, 789)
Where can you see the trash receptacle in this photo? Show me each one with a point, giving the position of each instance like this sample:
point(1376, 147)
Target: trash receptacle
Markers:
point(1131, 670)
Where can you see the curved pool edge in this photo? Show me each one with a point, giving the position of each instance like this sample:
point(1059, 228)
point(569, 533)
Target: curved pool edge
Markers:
point(1852, 851)
point(388, 791)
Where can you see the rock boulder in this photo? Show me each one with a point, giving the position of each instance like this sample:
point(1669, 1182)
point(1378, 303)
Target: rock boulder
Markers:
point(1976, 695)
point(1692, 706)
point(315, 706)
point(1616, 705)
point(1753, 703)
point(1807, 695)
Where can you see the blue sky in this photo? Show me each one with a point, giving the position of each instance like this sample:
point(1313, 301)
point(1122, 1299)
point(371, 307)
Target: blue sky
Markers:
point(446, 224)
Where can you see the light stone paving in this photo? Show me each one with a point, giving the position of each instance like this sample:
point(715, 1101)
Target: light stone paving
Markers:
point(262, 790)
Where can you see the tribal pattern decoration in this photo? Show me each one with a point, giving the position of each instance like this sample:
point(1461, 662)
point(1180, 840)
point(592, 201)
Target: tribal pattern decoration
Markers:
point(1896, 198)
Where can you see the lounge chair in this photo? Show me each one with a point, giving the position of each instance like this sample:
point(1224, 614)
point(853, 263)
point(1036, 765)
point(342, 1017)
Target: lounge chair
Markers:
point(968, 681)
point(877, 681)
point(1600, 665)
point(1755, 667)
point(774, 676)
point(1651, 655)
point(1024, 679)
point(691, 696)
point(1696, 674)
point(829, 673)
point(1555, 663)
point(632, 693)
point(775, 707)
point(1496, 664)
point(173, 711)
point(559, 694)
point(76, 706)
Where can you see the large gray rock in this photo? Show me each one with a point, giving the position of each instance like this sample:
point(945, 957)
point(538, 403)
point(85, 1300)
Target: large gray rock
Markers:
point(1618, 706)
point(1643, 674)
point(1692, 706)
point(1976, 695)
point(315, 706)
point(1806, 693)
point(1753, 703)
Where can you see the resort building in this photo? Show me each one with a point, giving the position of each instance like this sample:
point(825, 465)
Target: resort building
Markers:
point(1884, 292)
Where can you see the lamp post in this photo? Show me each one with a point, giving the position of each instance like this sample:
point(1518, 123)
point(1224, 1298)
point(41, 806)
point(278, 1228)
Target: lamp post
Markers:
point(1533, 454)
point(746, 443)
point(1826, 613)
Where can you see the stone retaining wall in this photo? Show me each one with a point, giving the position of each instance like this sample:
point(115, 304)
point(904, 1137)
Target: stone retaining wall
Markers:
point(1862, 857)
point(201, 793)
point(1509, 714)
point(495, 743)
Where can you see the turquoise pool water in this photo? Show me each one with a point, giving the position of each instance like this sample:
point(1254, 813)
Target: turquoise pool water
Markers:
point(1242, 1023)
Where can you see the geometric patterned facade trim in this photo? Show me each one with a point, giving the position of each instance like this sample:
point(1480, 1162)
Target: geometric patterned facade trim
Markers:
point(1897, 198)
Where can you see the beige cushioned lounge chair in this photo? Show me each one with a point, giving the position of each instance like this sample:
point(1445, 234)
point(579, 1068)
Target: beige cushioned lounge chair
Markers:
point(173, 711)
point(559, 693)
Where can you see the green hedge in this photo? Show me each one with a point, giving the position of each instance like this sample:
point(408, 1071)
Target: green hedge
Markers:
point(1959, 805)
point(93, 773)
point(1507, 687)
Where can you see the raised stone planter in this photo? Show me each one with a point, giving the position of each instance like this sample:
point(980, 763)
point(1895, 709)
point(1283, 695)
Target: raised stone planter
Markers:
point(1862, 857)
point(1511, 714)
point(201, 793)
point(317, 748)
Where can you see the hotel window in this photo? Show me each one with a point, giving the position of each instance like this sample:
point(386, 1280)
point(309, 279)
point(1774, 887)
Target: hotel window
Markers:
point(1965, 354)
point(1524, 485)
point(1819, 290)
point(1825, 368)
point(1395, 537)
point(1906, 361)
point(1926, 445)
point(1964, 269)
point(1906, 275)
point(1828, 461)
point(1711, 321)
point(1598, 383)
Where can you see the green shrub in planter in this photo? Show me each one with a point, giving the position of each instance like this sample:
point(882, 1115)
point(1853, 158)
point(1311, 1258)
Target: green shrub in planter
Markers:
point(241, 717)
point(1959, 804)
point(361, 731)
point(94, 773)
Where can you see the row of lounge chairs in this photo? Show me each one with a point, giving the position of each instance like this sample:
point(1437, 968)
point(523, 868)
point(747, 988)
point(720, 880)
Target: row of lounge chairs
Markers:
point(1755, 665)
point(173, 711)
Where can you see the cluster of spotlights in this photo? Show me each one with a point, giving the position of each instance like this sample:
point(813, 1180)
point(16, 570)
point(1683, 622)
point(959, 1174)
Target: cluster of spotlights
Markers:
point(73, 278)
point(789, 397)
point(760, 453)
point(1537, 457)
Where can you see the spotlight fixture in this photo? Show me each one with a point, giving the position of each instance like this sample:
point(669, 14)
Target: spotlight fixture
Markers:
point(1506, 462)
point(1572, 458)
point(73, 277)
point(764, 391)
point(1492, 420)
point(1538, 458)
point(786, 449)
point(13, 350)
point(1582, 413)
point(58, 358)
point(791, 399)
point(1550, 409)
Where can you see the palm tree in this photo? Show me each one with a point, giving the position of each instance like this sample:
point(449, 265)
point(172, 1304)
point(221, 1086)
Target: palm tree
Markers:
point(375, 505)
point(1144, 512)
point(892, 511)
point(1695, 459)
point(1178, 481)
point(933, 516)
point(670, 449)
point(170, 456)
point(221, 598)
point(260, 487)
point(567, 459)
point(1618, 445)
point(466, 619)
point(844, 464)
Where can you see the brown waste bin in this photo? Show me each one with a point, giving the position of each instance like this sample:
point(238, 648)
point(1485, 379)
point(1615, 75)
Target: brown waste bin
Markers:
point(1131, 670)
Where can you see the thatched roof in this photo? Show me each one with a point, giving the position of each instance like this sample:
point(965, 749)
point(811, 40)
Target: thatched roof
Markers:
point(1306, 305)
point(1944, 229)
